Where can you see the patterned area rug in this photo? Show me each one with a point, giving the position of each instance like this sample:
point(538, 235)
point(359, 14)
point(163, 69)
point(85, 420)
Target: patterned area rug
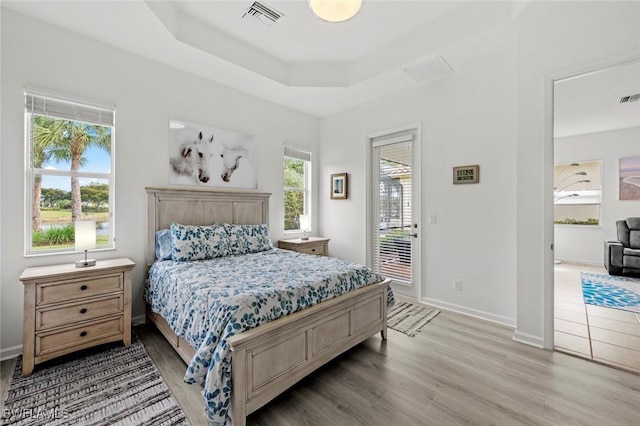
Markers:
point(408, 318)
point(611, 291)
point(114, 386)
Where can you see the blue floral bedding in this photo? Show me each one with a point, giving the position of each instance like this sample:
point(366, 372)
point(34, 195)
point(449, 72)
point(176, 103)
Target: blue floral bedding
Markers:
point(206, 302)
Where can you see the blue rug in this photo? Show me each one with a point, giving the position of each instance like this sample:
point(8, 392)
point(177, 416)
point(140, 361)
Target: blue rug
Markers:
point(611, 291)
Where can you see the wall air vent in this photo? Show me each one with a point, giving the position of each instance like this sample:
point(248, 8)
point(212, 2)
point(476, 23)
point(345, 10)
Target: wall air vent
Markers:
point(427, 70)
point(631, 98)
point(263, 14)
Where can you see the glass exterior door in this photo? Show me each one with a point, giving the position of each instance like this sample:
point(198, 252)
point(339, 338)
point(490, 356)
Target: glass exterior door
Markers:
point(394, 227)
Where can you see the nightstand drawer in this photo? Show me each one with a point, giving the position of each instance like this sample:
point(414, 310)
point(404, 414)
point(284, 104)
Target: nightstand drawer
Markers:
point(312, 245)
point(78, 312)
point(314, 249)
point(69, 338)
point(80, 288)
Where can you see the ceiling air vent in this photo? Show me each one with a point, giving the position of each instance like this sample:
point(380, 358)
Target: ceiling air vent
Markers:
point(427, 70)
point(263, 14)
point(632, 98)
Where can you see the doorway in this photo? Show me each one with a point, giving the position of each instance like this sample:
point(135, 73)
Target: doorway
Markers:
point(394, 188)
point(594, 129)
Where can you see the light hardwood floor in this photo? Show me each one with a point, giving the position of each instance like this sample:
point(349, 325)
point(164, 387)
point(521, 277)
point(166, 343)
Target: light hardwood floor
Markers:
point(610, 336)
point(457, 370)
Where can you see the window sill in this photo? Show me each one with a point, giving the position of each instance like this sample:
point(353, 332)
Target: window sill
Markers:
point(68, 253)
point(566, 225)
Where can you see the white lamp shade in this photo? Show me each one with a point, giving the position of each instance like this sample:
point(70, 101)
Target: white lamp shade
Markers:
point(335, 10)
point(85, 234)
point(305, 222)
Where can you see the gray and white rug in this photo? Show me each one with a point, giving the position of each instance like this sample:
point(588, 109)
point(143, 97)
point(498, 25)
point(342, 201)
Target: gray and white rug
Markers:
point(116, 385)
point(408, 318)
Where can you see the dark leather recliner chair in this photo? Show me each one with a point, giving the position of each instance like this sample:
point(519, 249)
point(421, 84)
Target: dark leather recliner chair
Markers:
point(622, 257)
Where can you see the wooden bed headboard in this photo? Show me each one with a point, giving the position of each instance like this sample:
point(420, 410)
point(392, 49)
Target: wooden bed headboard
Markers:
point(200, 206)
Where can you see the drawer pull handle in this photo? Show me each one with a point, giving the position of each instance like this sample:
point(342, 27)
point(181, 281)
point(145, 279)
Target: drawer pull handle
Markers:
point(84, 333)
point(83, 310)
point(84, 287)
point(313, 249)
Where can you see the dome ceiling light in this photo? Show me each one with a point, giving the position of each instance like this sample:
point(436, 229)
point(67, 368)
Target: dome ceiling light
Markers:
point(335, 10)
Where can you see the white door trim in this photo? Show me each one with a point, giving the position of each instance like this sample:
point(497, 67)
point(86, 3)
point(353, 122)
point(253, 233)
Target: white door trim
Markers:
point(416, 196)
point(548, 285)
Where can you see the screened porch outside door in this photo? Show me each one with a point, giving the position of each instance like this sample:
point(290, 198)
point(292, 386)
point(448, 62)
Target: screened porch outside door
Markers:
point(393, 228)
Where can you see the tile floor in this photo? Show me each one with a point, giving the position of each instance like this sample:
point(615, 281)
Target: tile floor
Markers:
point(609, 336)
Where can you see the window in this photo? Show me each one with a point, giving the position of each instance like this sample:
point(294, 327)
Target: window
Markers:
point(69, 171)
point(297, 187)
point(577, 193)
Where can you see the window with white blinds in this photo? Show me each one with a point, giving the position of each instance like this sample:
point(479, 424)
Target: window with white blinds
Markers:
point(393, 226)
point(70, 171)
point(68, 110)
point(297, 187)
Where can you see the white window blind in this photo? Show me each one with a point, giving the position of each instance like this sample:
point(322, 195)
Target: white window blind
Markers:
point(297, 154)
point(392, 227)
point(66, 109)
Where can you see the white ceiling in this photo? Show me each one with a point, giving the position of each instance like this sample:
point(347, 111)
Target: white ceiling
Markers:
point(317, 67)
point(301, 61)
point(590, 103)
point(377, 25)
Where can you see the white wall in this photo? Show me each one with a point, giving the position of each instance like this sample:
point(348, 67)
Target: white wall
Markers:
point(555, 40)
point(585, 243)
point(496, 112)
point(146, 95)
point(467, 117)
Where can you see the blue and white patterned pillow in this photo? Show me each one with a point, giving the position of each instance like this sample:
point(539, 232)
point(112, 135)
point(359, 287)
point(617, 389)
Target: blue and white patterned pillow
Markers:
point(190, 242)
point(163, 244)
point(245, 239)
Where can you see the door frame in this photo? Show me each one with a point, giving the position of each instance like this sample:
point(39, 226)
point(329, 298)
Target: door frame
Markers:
point(548, 285)
point(416, 198)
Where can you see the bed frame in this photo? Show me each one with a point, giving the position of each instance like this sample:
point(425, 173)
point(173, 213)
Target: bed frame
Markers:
point(268, 359)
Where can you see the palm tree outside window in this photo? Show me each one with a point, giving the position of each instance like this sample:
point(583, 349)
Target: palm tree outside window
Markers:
point(70, 170)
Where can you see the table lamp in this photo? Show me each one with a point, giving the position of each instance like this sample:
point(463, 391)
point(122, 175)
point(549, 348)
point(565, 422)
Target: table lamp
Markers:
point(305, 225)
point(85, 240)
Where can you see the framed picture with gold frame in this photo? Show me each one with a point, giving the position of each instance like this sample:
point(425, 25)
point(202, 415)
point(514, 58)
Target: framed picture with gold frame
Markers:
point(339, 186)
point(466, 174)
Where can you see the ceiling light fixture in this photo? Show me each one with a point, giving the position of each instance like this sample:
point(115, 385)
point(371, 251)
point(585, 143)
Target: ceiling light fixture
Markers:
point(335, 10)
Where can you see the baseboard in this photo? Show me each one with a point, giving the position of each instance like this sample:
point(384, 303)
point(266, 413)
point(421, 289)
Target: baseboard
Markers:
point(580, 262)
point(12, 352)
point(528, 339)
point(498, 319)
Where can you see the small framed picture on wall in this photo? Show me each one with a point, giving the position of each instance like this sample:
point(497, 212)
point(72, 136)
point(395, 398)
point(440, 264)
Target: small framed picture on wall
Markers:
point(339, 186)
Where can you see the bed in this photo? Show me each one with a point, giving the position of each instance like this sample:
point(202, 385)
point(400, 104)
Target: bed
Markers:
point(263, 361)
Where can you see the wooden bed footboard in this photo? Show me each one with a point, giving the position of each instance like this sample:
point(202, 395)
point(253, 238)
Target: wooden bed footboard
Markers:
point(269, 359)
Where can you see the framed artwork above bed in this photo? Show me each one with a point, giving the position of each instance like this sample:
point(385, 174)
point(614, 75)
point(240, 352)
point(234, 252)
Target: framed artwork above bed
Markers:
point(209, 156)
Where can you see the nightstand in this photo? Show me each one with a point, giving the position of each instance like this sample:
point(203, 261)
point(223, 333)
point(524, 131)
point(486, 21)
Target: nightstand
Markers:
point(67, 308)
point(314, 245)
